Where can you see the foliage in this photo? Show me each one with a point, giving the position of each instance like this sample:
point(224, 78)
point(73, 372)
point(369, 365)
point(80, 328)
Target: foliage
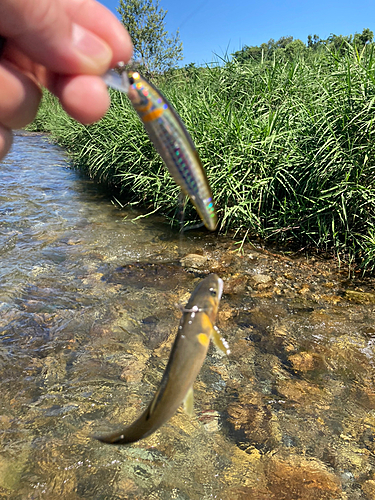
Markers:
point(295, 48)
point(313, 41)
point(249, 53)
point(153, 48)
point(361, 39)
point(288, 144)
point(287, 45)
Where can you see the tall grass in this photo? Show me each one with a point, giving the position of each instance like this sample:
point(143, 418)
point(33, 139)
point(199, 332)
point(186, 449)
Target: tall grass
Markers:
point(288, 146)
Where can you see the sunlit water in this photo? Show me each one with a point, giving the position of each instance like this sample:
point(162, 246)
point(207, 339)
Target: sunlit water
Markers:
point(87, 301)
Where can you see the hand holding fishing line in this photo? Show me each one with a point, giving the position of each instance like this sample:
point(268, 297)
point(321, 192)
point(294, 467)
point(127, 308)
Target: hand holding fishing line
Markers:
point(64, 45)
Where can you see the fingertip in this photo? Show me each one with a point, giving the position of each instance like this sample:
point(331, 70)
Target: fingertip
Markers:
point(84, 97)
point(6, 140)
point(121, 44)
point(98, 19)
point(93, 52)
point(19, 98)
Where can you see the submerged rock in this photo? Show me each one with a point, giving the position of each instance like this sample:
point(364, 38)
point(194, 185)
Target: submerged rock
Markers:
point(252, 421)
point(306, 361)
point(360, 297)
point(368, 489)
point(302, 479)
point(194, 260)
point(235, 284)
point(261, 280)
point(159, 275)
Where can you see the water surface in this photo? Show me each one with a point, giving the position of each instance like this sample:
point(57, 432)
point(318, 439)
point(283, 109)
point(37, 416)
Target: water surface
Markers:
point(88, 316)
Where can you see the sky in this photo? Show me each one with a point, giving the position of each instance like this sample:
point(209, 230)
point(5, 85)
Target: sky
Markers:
point(211, 28)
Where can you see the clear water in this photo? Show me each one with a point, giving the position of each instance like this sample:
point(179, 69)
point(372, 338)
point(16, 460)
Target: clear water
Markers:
point(87, 318)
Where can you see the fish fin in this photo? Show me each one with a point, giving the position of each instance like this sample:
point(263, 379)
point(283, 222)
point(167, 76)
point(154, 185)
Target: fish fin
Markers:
point(189, 402)
point(220, 343)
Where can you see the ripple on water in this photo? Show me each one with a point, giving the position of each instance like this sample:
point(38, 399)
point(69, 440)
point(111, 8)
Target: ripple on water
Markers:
point(88, 316)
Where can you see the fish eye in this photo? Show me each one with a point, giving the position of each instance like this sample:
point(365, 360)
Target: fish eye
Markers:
point(213, 292)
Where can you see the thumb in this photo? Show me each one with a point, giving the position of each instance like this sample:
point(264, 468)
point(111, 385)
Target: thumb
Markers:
point(47, 31)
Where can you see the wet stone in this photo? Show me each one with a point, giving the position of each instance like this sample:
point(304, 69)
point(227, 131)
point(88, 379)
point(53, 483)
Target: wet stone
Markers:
point(368, 489)
point(306, 361)
point(156, 275)
point(235, 284)
point(252, 423)
point(133, 369)
point(194, 261)
point(11, 469)
point(300, 392)
point(360, 297)
point(261, 279)
point(299, 478)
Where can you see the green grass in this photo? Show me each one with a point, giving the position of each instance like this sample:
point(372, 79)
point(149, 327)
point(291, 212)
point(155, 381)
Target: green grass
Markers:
point(288, 146)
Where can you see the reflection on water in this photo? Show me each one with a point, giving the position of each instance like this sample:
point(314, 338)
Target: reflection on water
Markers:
point(87, 301)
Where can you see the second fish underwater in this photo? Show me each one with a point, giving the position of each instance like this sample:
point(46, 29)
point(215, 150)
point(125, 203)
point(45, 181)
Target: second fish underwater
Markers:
point(189, 350)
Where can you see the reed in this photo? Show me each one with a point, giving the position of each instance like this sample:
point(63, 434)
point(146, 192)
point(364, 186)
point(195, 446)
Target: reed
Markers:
point(288, 146)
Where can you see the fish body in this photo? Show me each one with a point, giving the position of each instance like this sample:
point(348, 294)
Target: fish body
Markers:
point(187, 355)
point(171, 140)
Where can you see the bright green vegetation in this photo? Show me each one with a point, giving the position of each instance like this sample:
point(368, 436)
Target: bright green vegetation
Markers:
point(288, 144)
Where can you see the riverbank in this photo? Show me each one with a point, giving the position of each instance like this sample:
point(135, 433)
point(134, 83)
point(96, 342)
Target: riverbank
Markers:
point(287, 144)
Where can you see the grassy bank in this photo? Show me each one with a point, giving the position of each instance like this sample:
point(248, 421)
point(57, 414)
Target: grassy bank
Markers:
point(288, 146)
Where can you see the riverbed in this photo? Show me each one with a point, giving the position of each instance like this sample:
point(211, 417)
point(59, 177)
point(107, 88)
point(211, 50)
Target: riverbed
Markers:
point(88, 299)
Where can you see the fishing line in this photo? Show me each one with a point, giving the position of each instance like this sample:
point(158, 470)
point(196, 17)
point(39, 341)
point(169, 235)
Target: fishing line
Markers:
point(194, 12)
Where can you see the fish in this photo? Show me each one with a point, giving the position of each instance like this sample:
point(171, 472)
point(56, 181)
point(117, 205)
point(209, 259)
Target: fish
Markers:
point(196, 328)
point(171, 140)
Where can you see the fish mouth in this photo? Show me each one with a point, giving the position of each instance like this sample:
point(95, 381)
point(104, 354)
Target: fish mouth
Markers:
point(220, 287)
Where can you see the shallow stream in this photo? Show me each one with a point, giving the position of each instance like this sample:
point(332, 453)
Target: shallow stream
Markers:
point(88, 295)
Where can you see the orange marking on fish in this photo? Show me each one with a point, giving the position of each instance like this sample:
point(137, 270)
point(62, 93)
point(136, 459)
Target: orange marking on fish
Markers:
point(206, 323)
point(143, 109)
point(153, 115)
point(203, 339)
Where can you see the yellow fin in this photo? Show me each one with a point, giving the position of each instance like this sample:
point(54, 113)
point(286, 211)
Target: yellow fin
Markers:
point(189, 402)
point(203, 339)
point(220, 343)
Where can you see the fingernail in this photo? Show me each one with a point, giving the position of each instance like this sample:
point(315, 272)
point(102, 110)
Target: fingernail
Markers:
point(96, 52)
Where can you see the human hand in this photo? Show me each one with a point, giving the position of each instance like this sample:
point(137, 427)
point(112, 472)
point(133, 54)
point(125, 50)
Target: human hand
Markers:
point(64, 45)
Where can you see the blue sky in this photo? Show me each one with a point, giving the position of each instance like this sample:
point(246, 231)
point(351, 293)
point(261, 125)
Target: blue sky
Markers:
point(209, 27)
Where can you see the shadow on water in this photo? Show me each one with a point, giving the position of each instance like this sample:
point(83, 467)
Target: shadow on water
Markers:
point(88, 316)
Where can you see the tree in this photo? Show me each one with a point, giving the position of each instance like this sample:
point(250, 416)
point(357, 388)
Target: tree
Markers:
point(297, 47)
point(339, 43)
point(364, 38)
point(283, 42)
point(153, 48)
point(284, 45)
point(313, 41)
point(247, 53)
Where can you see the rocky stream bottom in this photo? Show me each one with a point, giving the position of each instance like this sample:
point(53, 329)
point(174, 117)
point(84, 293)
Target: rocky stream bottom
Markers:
point(88, 315)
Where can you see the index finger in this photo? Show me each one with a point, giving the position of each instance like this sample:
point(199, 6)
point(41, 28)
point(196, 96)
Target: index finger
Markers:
point(65, 36)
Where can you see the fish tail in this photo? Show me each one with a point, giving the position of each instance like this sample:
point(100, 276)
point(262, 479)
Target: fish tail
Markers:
point(139, 429)
point(121, 437)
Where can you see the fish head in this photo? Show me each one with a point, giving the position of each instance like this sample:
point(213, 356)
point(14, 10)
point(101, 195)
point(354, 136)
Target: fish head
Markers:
point(216, 290)
point(206, 297)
